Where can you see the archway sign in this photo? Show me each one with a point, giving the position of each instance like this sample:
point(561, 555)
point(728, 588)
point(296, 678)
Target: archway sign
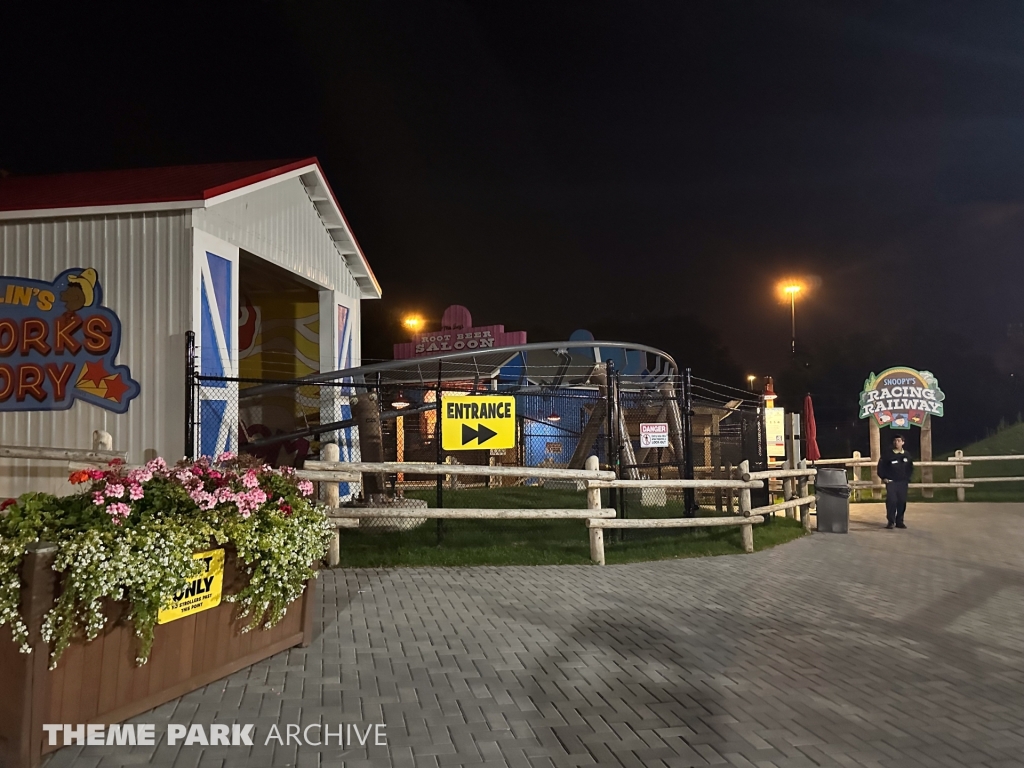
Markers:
point(901, 398)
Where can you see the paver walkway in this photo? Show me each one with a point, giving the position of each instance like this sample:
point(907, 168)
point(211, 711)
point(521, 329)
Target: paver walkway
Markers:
point(878, 648)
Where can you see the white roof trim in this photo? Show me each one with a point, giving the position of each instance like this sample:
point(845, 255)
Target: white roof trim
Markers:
point(99, 210)
point(330, 214)
point(320, 196)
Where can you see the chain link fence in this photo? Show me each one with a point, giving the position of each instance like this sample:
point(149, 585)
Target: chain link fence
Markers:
point(710, 429)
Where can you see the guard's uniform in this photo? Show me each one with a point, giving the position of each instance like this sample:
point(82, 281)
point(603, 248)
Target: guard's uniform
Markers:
point(897, 468)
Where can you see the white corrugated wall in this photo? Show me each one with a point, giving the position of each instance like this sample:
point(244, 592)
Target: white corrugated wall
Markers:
point(144, 263)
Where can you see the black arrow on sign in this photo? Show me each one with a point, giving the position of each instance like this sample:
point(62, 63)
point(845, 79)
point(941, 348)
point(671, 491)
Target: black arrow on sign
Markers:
point(481, 434)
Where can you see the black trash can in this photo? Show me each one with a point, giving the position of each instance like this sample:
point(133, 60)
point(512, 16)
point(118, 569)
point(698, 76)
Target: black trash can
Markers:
point(833, 501)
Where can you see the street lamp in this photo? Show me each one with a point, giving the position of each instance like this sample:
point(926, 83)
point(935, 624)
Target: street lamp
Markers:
point(790, 289)
point(750, 381)
point(413, 323)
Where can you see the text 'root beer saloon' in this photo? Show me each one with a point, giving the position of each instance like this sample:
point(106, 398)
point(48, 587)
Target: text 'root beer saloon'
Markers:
point(58, 344)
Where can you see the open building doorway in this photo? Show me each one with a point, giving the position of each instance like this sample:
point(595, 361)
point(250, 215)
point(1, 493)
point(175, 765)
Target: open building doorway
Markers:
point(278, 339)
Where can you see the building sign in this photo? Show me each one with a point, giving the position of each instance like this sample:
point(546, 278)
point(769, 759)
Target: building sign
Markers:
point(199, 594)
point(775, 432)
point(469, 423)
point(457, 334)
point(901, 398)
point(58, 345)
point(654, 435)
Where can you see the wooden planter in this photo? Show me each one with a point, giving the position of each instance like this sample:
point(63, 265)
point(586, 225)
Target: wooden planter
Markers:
point(99, 682)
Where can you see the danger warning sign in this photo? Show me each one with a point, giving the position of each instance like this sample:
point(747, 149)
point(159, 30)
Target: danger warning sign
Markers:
point(654, 435)
point(469, 423)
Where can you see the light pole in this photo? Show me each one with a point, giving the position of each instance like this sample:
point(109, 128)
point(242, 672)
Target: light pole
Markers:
point(413, 323)
point(792, 289)
point(750, 381)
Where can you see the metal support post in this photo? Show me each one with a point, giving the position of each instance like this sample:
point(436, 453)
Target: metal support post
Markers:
point(689, 495)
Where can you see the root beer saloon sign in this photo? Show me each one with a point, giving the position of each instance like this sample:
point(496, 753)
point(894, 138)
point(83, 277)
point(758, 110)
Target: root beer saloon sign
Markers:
point(58, 345)
point(901, 398)
point(457, 334)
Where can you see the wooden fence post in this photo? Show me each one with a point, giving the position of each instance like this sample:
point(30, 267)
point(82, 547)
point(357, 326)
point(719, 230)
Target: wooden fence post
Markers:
point(803, 490)
point(876, 454)
point(927, 475)
point(730, 474)
point(594, 502)
point(961, 493)
point(102, 441)
point(747, 531)
point(332, 500)
point(856, 474)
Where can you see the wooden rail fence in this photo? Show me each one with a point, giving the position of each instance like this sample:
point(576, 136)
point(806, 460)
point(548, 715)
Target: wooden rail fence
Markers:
point(330, 472)
point(102, 452)
point(958, 462)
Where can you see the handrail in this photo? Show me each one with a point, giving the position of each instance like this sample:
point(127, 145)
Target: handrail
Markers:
point(771, 474)
point(423, 468)
point(969, 459)
point(710, 483)
point(85, 456)
point(462, 513)
point(791, 504)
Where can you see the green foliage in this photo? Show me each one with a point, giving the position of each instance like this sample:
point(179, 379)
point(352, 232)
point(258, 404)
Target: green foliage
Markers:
point(130, 538)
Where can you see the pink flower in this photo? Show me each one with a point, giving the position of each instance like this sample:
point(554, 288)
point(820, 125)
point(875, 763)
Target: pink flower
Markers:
point(226, 456)
point(135, 492)
point(156, 465)
point(114, 491)
point(120, 509)
point(249, 480)
point(98, 499)
point(205, 501)
point(95, 474)
point(305, 488)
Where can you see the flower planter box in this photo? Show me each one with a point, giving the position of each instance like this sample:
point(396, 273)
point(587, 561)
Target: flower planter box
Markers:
point(99, 682)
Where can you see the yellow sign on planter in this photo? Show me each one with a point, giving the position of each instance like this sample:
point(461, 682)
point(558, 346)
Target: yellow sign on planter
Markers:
point(200, 593)
point(470, 423)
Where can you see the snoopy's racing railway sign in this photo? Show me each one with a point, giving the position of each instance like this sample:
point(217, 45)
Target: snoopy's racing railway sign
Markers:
point(901, 398)
point(58, 344)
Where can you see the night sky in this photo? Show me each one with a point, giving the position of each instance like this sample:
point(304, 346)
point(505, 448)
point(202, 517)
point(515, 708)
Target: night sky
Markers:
point(563, 165)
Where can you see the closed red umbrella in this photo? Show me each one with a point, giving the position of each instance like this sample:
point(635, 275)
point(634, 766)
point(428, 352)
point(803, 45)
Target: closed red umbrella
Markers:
point(810, 431)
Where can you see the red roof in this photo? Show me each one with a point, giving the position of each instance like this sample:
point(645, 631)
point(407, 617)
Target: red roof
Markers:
point(137, 186)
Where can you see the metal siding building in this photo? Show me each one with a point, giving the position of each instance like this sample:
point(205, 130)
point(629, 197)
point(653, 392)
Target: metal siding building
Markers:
point(166, 244)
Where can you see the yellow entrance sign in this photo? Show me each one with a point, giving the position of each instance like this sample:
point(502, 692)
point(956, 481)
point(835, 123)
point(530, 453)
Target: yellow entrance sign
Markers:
point(470, 423)
point(198, 594)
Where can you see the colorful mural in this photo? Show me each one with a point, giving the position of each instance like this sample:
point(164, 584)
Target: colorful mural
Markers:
point(279, 339)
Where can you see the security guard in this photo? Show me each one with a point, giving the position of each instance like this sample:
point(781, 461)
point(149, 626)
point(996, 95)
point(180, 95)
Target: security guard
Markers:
point(895, 471)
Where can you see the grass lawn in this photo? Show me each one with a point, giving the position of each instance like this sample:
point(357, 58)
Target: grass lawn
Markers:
point(542, 542)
